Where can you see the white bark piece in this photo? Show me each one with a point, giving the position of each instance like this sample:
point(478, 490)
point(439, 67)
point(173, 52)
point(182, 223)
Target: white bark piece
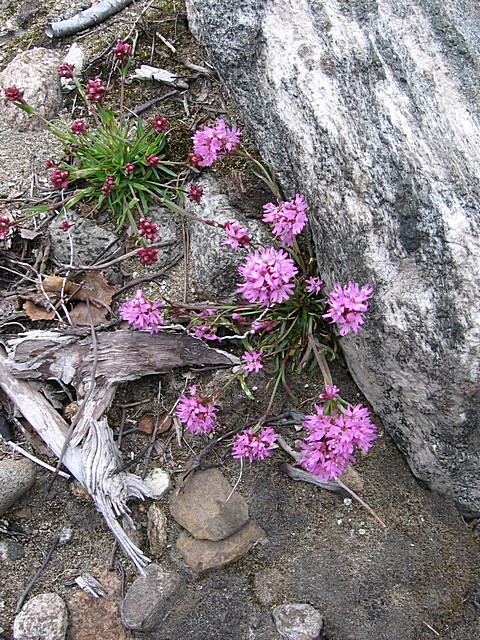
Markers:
point(85, 19)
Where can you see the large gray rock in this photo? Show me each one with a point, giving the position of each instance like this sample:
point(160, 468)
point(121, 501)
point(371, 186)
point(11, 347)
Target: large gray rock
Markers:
point(45, 616)
point(16, 478)
point(370, 109)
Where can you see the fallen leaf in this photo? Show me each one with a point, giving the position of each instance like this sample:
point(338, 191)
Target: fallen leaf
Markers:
point(29, 234)
point(94, 287)
point(147, 422)
point(80, 315)
point(56, 284)
point(38, 312)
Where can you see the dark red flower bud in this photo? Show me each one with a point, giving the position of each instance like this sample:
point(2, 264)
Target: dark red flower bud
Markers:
point(160, 124)
point(195, 193)
point(148, 256)
point(65, 70)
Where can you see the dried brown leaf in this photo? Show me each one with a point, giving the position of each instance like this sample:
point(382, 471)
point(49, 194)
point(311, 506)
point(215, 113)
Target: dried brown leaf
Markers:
point(80, 315)
point(147, 423)
point(94, 287)
point(37, 311)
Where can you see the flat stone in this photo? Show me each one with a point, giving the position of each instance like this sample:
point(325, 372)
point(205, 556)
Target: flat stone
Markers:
point(94, 619)
point(298, 621)
point(158, 481)
point(89, 241)
point(44, 616)
point(156, 529)
point(11, 551)
point(16, 478)
point(202, 555)
point(166, 232)
point(149, 598)
point(207, 509)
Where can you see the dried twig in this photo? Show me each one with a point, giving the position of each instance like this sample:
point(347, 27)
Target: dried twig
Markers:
point(86, 19)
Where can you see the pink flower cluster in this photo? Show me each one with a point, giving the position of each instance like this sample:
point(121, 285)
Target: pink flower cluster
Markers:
point(148, 229)
point(215, 142)
point(13, 94)
point(328, 449)
point(198, 414)
point(237, 235)
point(121, 50)
point(109, 183)
point(347, 305)
point(79, 127)
point(5, 227)
point(195, 193)
point(252, 361)
point(142, 313)
point(288, 218)
point(267, 276)
point(160, 124)
point(148, 256)
point(254, 446)
point(95, 91)
point(59, 178)
point(65, 70)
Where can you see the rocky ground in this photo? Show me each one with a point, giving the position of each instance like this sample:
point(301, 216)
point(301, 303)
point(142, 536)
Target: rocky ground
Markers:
point(280, 556)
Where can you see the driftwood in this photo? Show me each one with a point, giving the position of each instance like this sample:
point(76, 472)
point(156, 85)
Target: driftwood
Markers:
point(146, 72)
point(92, 456)
point(85, 19)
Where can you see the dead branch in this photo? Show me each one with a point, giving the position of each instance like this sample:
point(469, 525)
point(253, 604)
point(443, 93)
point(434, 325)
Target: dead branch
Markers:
point(85, 19)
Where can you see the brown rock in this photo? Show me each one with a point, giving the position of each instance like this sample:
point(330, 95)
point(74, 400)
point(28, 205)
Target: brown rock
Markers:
point(207, 509)
point(201, 555)
point(149, 598)
point(91, 619)
point(156, 529)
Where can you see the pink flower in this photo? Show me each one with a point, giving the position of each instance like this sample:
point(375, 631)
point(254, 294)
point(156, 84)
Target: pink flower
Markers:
point(147, 256)
point(237, 236)
point(65, 70)
point(288, 218)
point(263, 325)
point(160, 124)
point(152, 160)
point(148, 229)
point(79, 127)
point(203, 331)
point(194, 159)
point(121, 50)
point(215, 142)
point(330, 393)
point(256, 446)
point(59, 178)
point(6, 224)
point(95, 91)
point(196, 413)
point(252, 361)
point(347, 306)
point(328, 449)
point(313, 285)
point(129, 168)
point(142, 313)
point(195, 193)
point(268, 277)
point(13, 94)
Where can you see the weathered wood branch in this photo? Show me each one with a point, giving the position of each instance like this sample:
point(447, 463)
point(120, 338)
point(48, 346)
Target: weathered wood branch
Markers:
point(85, 19)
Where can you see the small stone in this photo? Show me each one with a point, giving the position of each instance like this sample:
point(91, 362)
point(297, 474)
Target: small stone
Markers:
point(158, 481)
point(149, 598)
point(156, 529)
point(298, 621)
point(11, 551)
point(16, 478)
point(352, 479)
point(268, 586)
point(44, 616)
point(207, 509)
point(97, 619)
point(202, 555)
point(88, 238)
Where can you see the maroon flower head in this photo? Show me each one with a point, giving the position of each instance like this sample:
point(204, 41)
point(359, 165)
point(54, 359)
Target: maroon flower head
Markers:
point(106, 189)
point(152, 160)
point(110, 181)
point(13, 94)
point(5, 226)
point(96, 91)
point(49, 164)
point(59, 178)
point(148, 256)
point(147, 229)
point(195, 193)
point(122, 50)
point(65, 70)
point(129, 168)
point(160, 124)
point(65, 226)
point(194, 159)
point(79, 127)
